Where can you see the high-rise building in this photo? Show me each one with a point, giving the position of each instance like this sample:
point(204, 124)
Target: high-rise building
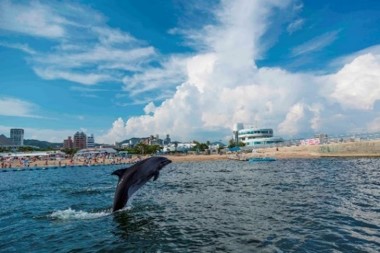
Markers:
point(167, 140)
point(17, 136)
point(90, 141)
point(80, 140)
point(68, 143)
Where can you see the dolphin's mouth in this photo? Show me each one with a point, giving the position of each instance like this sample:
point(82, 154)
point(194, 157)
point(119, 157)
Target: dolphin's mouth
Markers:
point(165, 162)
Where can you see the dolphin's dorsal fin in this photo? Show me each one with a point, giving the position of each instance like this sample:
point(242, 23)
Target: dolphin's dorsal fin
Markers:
point(156, 175)
point(119, 173)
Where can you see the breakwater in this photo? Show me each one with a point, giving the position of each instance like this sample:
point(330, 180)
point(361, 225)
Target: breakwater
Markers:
point(342, 149)
point(360, 148)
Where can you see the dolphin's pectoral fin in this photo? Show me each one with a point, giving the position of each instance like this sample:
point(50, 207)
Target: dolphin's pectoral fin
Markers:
point(156, 175)
point(119, 173)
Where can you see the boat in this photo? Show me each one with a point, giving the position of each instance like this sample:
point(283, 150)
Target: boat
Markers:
point(261, 159)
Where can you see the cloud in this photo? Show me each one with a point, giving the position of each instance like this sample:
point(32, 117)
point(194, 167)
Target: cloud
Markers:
point(82, 78)
point(23, 47)
point(10, 106)
point(167, 76)
point(116, 133)
point(315, 44)
point(158, 96)
point(374, 125)
point(295, 25)
point(84, 49)
point(90, 65)
point(31, 19)
point(109, 36)
point(346, 59)
point(290, 125)
point(202, 93)
point(357, 84)
point(51, 135)
point(222, 85)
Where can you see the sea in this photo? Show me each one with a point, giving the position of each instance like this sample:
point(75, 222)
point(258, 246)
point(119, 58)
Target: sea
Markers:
point(289, 205)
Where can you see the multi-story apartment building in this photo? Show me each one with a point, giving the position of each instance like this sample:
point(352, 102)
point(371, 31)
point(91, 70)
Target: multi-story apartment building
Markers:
point(80, 140)
point(90, 141)
point(68, 143)
point(17, 136)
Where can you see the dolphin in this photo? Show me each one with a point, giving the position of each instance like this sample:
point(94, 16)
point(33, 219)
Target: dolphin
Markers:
point(132, 178)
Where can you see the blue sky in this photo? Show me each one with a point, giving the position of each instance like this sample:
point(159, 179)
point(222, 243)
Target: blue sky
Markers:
point(191, 69)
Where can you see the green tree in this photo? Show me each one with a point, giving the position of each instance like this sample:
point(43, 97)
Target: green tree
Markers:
point(199, 146)
point(231, 143)
point(70, 151)
point(26, 149)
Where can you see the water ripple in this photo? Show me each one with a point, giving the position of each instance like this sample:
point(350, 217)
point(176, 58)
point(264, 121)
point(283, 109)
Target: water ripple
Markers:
point(302, 205)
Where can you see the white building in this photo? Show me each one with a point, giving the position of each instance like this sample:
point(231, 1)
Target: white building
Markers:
point(178, 147)
point(90, 141)
point(92, 152)
point(255, 137)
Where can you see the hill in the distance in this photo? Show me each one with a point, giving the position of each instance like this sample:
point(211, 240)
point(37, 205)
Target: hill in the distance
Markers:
point(42, 144)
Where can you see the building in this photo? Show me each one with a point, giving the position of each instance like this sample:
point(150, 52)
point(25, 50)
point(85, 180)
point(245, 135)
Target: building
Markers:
point(90, 141)
point(17, 136)
point(80, 140)
point(255, 137)
point(178, 147)
point(131, 142)
point(323, 138)
point(151, 140)
point(235, 131)
point(167, 140)
point(93, 152)
point(68, 143)
point(155, 140)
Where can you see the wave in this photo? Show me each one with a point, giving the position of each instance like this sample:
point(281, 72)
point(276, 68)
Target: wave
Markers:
point(70, 214)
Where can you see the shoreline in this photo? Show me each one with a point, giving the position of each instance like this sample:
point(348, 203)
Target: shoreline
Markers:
point(196, 158)
point(15, 169)
point(362, 149)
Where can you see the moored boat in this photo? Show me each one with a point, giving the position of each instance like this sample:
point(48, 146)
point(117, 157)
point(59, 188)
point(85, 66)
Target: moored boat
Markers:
point(261, 159)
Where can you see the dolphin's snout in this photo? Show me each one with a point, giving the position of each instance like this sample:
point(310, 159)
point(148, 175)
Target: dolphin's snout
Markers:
point(165, 162)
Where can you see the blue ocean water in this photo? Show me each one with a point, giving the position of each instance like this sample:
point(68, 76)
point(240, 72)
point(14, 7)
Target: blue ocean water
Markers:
point(295, 205)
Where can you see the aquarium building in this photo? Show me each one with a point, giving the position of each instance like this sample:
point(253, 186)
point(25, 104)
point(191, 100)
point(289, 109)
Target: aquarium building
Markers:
point(254, 137)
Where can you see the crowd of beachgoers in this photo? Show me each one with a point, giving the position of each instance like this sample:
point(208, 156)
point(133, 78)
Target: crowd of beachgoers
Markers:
point(25, 162)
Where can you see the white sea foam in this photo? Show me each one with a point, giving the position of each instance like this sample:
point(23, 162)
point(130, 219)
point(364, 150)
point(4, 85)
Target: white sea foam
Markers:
point(70, 214)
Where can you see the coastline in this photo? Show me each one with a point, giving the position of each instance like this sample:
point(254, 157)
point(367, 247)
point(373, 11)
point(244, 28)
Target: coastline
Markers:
point(361, 149)
point(370, 149)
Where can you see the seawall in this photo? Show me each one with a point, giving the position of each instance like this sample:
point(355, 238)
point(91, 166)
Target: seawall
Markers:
point(344, 149)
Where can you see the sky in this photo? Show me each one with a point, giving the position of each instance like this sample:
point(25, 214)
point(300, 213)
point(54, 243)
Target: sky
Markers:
point(191, 69)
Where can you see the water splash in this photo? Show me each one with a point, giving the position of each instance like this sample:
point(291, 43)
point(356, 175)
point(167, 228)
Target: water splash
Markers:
point(70, 214)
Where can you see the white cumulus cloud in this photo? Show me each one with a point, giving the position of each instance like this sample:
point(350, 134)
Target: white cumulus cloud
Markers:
point(84, 49)
point(222, 85)
point(357, 84)
point(10, 106)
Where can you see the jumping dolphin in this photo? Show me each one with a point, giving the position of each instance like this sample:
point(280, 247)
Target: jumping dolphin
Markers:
point(132, 178)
